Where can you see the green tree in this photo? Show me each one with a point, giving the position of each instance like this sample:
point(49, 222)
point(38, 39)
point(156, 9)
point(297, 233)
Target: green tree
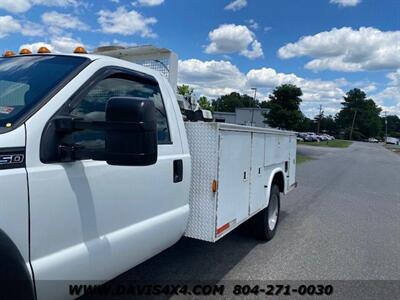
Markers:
point(228, 103)
point(284, 107)
point(205, 104)
point(306, 125)
point(185, 90)
point(393, 125)
point(328, 125)
point(363, 111)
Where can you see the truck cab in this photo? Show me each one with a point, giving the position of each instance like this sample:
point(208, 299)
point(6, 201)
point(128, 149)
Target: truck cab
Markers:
point(99, 171)
point(84, 196)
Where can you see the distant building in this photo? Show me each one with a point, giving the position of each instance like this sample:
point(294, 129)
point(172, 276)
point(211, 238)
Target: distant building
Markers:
point(248, 116)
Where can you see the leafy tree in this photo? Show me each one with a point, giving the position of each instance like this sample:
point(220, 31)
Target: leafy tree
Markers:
point(185, 90)
point(393, 125)
point(328, 125)
point(363, 111)
point(228, 103)
point(205, 104)
point(284, 107)
point(318, 120)
point(306, 125)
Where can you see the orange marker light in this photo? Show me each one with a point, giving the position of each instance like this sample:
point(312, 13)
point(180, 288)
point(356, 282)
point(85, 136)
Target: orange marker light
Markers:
point(80, 50)
point(214, 186)
point(8, 53)
point(43, 50)
point(25, 51)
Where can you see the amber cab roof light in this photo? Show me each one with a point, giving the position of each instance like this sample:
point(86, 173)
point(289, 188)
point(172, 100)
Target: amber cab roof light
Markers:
point(43, 50)
point(80, 50)
point(25, 51)
point(8, 53)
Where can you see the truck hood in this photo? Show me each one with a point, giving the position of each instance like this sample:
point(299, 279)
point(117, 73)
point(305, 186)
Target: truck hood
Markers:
point(13, 139)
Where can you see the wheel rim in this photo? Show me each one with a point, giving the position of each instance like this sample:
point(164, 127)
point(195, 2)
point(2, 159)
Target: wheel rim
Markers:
point(273, 212)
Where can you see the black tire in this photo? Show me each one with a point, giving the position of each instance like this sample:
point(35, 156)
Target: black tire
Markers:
point(262, 226)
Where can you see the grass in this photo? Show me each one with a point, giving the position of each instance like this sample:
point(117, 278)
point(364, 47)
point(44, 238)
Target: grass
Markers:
point(301, 159)
point(331, 144)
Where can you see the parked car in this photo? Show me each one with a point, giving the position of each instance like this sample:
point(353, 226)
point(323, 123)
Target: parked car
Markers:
point(373, 140)
point(313, 137)
point(392, 140)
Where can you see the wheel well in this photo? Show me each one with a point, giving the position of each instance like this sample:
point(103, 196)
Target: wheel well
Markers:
point(279, 181)
point(15, 279)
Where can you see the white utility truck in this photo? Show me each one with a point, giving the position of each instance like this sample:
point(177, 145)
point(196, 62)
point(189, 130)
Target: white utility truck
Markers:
point(99, 171)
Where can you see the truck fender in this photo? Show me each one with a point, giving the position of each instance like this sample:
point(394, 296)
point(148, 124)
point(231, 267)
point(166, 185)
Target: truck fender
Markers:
point(15, 279)
point(279, 175)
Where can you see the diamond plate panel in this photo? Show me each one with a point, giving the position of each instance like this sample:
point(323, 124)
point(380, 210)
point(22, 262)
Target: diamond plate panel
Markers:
point(203, 143)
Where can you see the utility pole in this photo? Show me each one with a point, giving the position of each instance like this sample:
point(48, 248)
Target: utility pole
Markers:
point(319, 118)
point(386, 123)
point(352, 125)
point(254, 103)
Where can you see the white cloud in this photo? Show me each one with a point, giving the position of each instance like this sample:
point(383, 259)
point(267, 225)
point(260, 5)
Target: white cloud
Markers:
point(57, 45)
point(211, 78)
point(389, 98)
point(216, 78)
point(32, 29)
point(255, 51)
point(126, 22)
point(21, 6)
point(349, 50)
point(150, 2)
point(314, 90)
point(236, 5)
point(394, 78)
point(15, 6)
point(10, 25)
point(253, 24)
point(346, 3)
point(58, 22)
point(231, 38)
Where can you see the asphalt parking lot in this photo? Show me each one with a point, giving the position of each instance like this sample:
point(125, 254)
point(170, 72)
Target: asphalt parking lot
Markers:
point(341, 223)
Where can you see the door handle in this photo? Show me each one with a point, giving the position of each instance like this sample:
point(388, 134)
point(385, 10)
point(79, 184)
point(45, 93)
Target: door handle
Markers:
point(178, 170)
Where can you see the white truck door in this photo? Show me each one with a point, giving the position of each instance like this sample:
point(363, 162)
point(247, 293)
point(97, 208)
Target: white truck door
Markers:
point(93, 221)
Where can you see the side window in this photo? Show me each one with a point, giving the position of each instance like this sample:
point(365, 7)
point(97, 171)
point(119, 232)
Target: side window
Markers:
point(92, 107)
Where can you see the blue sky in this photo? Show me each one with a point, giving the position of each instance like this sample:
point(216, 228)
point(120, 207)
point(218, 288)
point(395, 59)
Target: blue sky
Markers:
point(324, 46)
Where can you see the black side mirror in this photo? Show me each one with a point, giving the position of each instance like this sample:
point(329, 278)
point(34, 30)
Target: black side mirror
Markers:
point(130, 135)
point(134, 145)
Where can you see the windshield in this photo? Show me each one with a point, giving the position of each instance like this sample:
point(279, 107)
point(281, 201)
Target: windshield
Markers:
point(26, 80)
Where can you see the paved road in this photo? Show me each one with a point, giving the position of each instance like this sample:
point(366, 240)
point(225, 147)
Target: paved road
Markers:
point(342, 222)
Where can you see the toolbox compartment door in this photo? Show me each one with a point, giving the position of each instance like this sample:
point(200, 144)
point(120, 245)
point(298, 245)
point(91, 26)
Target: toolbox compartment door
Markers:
point(257, 184)
point(292, 160)
point(234, 180)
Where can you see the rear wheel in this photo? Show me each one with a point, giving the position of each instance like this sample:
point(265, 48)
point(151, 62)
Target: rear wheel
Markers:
point(266, 221)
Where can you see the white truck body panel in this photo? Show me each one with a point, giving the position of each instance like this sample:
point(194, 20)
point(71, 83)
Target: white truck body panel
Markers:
point(243, 161)
point(110, 217)
point(87, 221)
